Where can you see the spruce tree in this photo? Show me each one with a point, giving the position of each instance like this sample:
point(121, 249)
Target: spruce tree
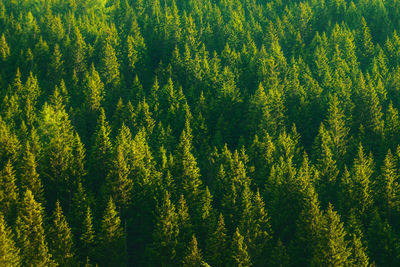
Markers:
point(29, 177)
point(387, 188)
point(240, 257)
point(10, 254)
point(87, 240)
point(60, 239)
point(8, 191)
point(359, 256)
point(30, 233)
point(165, 235)
point(112, 238)
point(94, 91)
point(332, 249)
point(217, 244)
point(193, 257)
point(187, 170)
point(4, 48)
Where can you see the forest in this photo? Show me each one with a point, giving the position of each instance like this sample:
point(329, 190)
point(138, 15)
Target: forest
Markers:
point(199, 133)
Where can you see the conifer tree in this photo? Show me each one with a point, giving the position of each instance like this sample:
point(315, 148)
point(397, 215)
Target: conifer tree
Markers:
point(165, 235)
point(185, 226)
point(328, 171)
point(332, 249)
point(381, 242)
point(359, 188)
point(60, 239)
point(392, 126)
point(193, 257)
point(387, 188)
point(112, 239)
point(110, 65)
point(56, 66)
point(187, 170)
point(29, 177)
point(101, 152)
point(118, 182)
point(94, 92)
point(208, 217)
point(367, 47)
point(338, 130)
point(217, 244)
point(4, 48)
point(10, 254)
point(87, 238)
point(240, 257)
point(30, 233)
point(359, 256)
point(8, 191)
point(279, 256)
point(308, 231)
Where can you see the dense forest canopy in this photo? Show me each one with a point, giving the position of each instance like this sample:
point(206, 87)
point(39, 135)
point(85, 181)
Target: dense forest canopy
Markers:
point(199, 133)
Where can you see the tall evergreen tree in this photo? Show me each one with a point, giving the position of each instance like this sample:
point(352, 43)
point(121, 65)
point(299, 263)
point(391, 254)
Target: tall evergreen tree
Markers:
point(239, 254)
point(217, 244)
point(112, 238)
point(10, 254)
point(332, 249)
point(30, 233)
point(8, 191)
point(165, 235)
point(193, 255)
point(60, 239)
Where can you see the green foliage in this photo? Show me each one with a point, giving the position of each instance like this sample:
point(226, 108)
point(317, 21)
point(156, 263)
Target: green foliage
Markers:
point(112, 246)
point(30, 233)
point(10, 254)
point(60, 239)
point(196, 119)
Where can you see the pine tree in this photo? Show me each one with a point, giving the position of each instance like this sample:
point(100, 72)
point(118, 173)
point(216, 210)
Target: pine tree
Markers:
point(100, 159)
point(29, 177)
point(8, 191)
point(387, 188)
point(193, 257)
point(10, 254)
point(279, 256)
point(60, 239)
point(136, 46)
point(332, 249)
point(240, 257)
point(112, 247)
point(338, 130)
point(110, 65)
point(217, 246)
point(206, 223)
point(367, 47)
point(187, 170)
point(392, 126)
point(30, 233)
point(4, 48)
point(260, 234)
point(56, 66)
point(118, 182)
point(360, 189)
point(381, 242)
point(87, 238)
point(359, 256)
point(308, 230)
point(57, 165)
point(165, 235)
point(328, 171)
point(94, 92)
point(185, 227)
point(9, 144)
